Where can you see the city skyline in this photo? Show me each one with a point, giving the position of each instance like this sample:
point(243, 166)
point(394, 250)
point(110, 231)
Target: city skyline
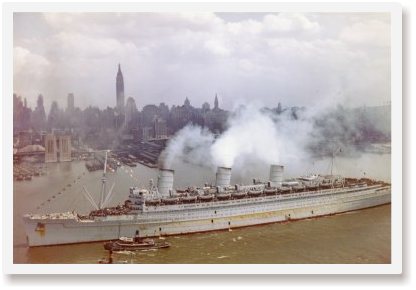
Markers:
point(166, 58)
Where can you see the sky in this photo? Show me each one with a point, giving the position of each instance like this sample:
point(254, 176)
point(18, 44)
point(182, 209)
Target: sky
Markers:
point(298, 59)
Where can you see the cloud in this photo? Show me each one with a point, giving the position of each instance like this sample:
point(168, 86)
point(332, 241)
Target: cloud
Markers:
point(367, 32)
point(294, 58)
point(217, 47)
point(26, 62)
point(290, 23)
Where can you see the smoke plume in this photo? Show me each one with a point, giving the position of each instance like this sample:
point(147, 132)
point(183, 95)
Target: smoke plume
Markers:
point(298, 138)
point(190, 144)
point(253, 134)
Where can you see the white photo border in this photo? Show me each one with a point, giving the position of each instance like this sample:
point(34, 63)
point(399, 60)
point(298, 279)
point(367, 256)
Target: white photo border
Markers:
point(395, 267)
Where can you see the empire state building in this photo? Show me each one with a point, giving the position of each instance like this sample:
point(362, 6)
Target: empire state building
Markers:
point(120, 91)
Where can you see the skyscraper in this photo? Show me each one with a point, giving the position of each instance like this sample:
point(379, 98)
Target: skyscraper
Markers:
point(70, 105)
point(120, 91)
point(131, 112)
point(216, 107)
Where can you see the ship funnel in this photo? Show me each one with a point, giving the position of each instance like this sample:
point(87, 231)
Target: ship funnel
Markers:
point(276, 175)
point(165, 181)
point(223, 176)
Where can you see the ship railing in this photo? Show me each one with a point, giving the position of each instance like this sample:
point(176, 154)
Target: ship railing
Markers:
point(318, 192)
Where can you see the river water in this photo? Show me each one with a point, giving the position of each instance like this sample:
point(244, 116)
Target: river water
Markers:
point(357, 237)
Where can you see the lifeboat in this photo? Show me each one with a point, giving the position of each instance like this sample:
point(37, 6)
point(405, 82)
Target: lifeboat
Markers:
point(238, 194)
point(298, 188)
point(206, 197)
point(170, 200)
point(312, 187)
point(284, 189)
point(181, 190)
point(223, 196)
point(270, 191)
point(188, 199)
point(254, 192)
point(325, 185)
point(178, 194)
point(155, 201)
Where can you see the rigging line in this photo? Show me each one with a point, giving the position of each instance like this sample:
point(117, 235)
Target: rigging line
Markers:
point(109, 195)
point(60, 193)
point(110, 192)
point(89, 198)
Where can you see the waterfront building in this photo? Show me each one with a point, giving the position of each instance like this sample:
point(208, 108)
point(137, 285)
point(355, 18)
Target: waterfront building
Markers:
point(148, 114)
point(163, 111)
point(160, 129)
point(147, 133)
point(24, 138)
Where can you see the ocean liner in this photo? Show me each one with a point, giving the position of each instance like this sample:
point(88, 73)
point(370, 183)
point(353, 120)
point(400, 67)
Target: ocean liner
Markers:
point(162, 210)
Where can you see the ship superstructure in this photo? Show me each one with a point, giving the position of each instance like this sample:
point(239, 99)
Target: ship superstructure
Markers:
point(162, 210)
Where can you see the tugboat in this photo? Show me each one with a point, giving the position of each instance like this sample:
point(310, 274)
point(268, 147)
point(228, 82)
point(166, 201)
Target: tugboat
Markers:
point(134, 244)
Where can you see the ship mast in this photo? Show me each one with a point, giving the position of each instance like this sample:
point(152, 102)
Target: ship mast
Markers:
point(103, 180)
point(335, 149)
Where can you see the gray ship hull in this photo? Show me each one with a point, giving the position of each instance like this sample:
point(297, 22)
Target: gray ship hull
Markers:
point(177, 219)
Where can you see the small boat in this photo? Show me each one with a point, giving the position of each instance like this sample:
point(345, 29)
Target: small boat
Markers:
point(134, 244)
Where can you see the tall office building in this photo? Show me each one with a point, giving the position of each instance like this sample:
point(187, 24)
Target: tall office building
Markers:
point(70, 105)
point(120, 91)
point(130, 111)
point(216, 107)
